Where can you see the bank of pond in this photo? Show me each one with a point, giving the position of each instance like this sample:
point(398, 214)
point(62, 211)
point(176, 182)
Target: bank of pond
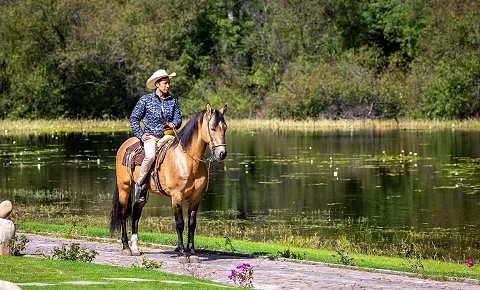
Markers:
point(380, 192)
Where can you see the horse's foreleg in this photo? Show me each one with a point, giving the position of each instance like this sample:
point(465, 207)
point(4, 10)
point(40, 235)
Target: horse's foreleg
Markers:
point(192, 224)
point(137, 212)
point(179, 223)
point(124, 215)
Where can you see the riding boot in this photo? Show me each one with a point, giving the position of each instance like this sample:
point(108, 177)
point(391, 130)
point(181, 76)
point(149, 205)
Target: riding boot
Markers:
point(140, 193)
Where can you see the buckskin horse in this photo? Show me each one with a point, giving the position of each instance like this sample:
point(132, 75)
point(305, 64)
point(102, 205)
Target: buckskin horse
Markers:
point(182, 176)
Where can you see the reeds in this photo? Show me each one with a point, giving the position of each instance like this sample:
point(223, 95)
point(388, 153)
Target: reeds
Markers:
point(67, 125)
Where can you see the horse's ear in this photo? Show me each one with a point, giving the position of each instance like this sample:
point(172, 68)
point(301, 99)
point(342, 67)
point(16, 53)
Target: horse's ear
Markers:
point(224, 110)
point(209, 109)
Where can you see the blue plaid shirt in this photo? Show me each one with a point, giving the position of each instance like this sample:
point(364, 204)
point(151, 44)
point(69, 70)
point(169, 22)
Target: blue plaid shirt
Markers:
point(154, 113)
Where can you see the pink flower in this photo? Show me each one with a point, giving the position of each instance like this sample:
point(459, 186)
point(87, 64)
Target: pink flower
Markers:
point(232, 275)
point(469, 263)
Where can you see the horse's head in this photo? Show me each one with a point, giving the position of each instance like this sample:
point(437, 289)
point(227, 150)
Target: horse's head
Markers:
point(213, 132)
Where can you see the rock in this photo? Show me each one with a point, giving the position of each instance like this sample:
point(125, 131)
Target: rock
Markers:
point(7, 232)
point(5, 209)
point(8, 286)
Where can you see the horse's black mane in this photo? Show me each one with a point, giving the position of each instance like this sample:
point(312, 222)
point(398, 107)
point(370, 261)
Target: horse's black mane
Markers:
point(185, 135)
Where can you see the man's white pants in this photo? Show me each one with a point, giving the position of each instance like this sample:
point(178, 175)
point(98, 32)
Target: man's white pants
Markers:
point(150, 148)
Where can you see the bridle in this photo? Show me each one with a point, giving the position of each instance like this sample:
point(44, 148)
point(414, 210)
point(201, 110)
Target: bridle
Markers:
point(211, 144)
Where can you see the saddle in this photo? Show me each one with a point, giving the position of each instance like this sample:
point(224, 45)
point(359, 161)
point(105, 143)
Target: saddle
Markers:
point(135, 153)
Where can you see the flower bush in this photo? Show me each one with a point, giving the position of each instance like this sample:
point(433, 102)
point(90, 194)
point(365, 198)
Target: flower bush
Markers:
point(17, 217)
point(242, 275)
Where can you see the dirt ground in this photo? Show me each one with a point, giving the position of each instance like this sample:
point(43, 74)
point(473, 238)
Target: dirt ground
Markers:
point(268, 274)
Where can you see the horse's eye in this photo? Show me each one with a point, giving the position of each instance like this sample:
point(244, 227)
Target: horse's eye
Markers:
point(212, 129)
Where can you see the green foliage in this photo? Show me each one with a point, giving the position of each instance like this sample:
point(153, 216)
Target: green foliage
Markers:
point(348, 88)
point(291, 254)
point(447, 72)
point(149, 264)
point(342, 248)
point(17, 245)
point(412, 258)
point(333, 59)
point(228, 246)
point(74, 253)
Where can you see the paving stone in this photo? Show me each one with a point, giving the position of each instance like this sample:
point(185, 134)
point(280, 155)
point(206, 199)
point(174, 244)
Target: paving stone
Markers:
point(130, 279)
point(268, 274)
point(175, 282)
point(83, 282)
point(35, 284)
point(5, 285)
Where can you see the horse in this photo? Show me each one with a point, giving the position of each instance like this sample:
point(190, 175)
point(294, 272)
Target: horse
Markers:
point(182, 176)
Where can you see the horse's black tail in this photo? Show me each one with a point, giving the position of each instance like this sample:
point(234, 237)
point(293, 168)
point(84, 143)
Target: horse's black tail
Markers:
point(115, 215)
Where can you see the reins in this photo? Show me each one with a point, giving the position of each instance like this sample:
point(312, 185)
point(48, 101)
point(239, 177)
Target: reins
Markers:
point(212, 149)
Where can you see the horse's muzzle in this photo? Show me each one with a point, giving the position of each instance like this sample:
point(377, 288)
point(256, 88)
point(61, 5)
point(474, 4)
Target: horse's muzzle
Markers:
point(220, 153)
point(223, 155)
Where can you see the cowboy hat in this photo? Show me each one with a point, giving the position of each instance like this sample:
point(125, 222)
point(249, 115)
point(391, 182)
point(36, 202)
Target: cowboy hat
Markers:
point(161, 73)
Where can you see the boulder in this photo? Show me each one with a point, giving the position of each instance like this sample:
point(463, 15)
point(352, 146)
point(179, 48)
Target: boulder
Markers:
point(7, 232)
point(5, 209)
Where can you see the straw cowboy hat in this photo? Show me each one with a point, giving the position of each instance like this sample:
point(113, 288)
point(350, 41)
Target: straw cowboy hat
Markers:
point(161, 73)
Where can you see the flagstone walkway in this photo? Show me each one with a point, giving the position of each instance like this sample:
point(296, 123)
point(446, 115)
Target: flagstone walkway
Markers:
point(268, 274)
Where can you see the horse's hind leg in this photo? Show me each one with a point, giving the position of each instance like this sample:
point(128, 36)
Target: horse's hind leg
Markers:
point(137, 212)
point(125, 202)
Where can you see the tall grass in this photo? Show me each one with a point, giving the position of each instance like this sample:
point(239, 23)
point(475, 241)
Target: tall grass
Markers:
point(66, 125)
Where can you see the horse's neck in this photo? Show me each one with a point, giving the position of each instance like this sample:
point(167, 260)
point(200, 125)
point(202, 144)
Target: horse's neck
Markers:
point(197, 147)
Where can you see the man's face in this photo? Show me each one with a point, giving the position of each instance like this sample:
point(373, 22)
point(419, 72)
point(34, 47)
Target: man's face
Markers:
point(163, 85)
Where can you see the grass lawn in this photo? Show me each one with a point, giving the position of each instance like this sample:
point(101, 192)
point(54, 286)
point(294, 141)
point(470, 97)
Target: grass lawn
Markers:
point(28, 270)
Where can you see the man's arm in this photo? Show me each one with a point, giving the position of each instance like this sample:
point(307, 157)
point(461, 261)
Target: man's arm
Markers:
point(137, 115)
point(177, 115)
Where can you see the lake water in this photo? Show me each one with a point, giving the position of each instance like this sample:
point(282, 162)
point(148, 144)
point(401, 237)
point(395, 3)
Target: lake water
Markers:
point(394, 178)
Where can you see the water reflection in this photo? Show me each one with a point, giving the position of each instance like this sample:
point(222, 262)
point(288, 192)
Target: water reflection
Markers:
point(396, 178)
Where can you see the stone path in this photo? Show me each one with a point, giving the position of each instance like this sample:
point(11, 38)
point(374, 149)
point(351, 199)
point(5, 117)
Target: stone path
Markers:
point(268, 274)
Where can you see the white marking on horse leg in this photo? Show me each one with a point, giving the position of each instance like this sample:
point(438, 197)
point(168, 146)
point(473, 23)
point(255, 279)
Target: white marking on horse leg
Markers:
point(134, 240)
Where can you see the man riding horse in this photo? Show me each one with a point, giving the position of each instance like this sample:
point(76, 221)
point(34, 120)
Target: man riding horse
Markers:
point(160, 113)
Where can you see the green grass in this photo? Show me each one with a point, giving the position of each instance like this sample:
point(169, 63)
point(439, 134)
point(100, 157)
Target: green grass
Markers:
point(432, 268)
point(29, 270)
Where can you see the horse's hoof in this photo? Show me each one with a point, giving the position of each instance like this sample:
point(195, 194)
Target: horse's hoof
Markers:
point(135, 253)
point(194, 259)
point(183, 259)
point(126, 252)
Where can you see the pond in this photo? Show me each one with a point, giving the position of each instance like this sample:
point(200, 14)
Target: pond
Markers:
point(394, 179)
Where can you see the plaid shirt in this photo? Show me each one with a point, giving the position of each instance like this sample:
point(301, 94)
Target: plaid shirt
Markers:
point(154, 112)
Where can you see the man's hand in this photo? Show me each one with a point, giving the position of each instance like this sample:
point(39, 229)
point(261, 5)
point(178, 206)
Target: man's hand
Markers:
point(145, 136)
point(170, 125)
